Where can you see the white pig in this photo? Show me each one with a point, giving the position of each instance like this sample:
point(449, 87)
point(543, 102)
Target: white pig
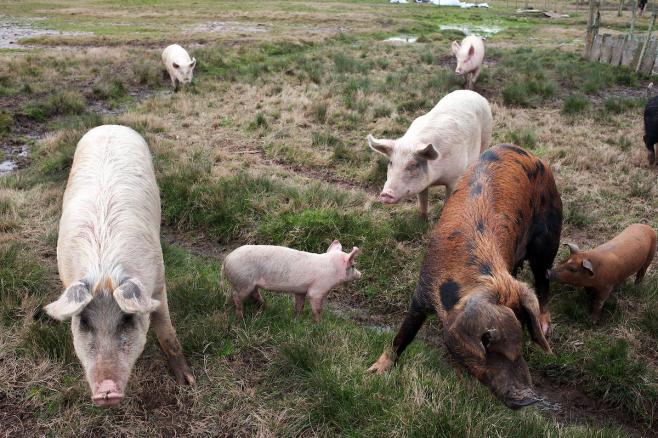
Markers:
point(110, 261)
point(283, 269)
point(469, 58)
point(179, 65)
point(436, 149)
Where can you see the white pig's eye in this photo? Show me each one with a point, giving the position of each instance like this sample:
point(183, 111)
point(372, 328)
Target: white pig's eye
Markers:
point(85, 326)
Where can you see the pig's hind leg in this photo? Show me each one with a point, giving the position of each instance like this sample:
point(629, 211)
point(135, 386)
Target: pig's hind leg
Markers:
point(169, 343)
point(258, 298)
point(300, 299)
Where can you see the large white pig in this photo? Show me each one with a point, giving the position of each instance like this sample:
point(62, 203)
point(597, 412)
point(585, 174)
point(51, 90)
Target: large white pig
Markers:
point(179, 65)
point(110, 261)
point(469, 54)
point(436, 149)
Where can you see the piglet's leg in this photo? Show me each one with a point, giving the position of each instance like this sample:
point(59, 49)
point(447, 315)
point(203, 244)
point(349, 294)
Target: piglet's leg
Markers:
point(169, 342)
point(258, 298)
point(317, 301)
point(300, 299)
point(600, 297)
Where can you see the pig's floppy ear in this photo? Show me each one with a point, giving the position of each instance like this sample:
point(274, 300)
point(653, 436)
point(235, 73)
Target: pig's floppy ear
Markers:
point(176, 66)
point(573, 248)
point(471, 51)
point(587, 264)
point(384, 147)
point(193, 64)
point(131, 297)
point(351, 255)
point(455, 47)
point(335, 246)
point(427, 152)
point(72, 301)
point(530, 306)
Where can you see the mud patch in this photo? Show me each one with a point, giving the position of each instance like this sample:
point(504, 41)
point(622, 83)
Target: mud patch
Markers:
point(13, 158)
point(227, 27)
point(12, 31)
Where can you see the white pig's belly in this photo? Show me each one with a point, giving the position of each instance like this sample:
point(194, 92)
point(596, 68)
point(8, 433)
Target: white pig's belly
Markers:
point(282, 286)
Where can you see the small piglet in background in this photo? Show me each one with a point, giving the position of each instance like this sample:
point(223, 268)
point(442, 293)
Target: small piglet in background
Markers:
point(601, 269)
point(651, 127)
point(469, 54)
point(281, 269)
point(179, 65)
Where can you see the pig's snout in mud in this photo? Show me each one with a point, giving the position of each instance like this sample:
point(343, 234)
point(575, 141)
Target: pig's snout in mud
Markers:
point(387, 197)
point(107, 394)
point(520, 403)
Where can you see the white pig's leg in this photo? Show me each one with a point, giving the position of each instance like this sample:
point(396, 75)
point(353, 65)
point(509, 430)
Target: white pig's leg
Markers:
point(258, 298)
point(476, 73)
point(300, 299)
point(423, 203)
point(317, 301)
point(166, 334)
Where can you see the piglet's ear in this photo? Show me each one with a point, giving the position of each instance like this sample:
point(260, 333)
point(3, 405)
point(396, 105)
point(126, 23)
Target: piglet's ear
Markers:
point(72, 301)
point(175, 65)
point(587, 264)
point(335, 246)
point(530, 306)
point(573, 248)
point(131, 297)
point(471, 51)
point(193, 64)
point(383, 146)
point(455, 47)
point(351, 255)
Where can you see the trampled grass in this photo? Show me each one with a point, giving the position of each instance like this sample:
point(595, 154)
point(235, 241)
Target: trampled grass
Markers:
point(268, 146)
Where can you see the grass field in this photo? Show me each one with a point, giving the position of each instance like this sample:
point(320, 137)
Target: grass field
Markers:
point(268, 146)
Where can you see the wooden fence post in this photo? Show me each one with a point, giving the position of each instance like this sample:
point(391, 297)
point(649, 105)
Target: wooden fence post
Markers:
point(646, 41)
point(630, 32)
point(592, 26)
point(621, 6)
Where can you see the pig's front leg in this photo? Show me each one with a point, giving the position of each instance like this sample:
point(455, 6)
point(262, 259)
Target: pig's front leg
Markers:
point(169, 342)
point(600, 297)
point(299, 304)
point(317, 301)
point(423, 203)
point(413, 321)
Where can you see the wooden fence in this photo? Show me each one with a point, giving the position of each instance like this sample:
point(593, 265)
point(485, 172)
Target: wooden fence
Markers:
point(624, 50)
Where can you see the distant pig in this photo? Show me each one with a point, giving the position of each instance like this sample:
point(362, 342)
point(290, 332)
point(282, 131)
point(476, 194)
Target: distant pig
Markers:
point(469, 58)
point(283, 269)
point(651, 128)
point(179, 65)
point(606, 266)
point(110, 261)
point(436, 149)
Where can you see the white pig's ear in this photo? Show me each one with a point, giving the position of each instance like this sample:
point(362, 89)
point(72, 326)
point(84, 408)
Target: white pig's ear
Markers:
point(471, 51)
point(131, 297)
point(72, 301)
point(193, 64)
point(335, 246)
point(427, 152)
point(384, 147)
point(176, 66)
point(455, 47)
point(573, 248)
point(351, 255)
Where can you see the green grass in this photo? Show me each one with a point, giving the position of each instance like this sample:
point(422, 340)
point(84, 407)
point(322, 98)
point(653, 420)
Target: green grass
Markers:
point(269, 147)
point(575, 105)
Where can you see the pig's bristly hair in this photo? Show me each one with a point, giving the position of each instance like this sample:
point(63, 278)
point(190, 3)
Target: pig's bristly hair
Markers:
point(110, 224)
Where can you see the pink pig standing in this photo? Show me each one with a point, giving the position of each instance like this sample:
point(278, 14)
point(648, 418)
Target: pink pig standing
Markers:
point(281, 269)
point(469, 58)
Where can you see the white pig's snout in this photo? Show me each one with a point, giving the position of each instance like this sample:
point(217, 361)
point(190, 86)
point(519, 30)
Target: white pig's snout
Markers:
point(357, 274)
point(107, 393)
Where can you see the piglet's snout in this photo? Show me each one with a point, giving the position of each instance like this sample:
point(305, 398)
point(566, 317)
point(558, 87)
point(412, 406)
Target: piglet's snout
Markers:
point(107, 393)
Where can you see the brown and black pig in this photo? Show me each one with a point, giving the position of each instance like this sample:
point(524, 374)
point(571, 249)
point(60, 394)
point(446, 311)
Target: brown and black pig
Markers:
point(506, 209)
point(601, 269)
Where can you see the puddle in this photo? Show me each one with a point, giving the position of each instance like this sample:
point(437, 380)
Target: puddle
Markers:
point(11, 31)
point(483, 31)
point(13, 157)
point(403, 39)
point(227, 27)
